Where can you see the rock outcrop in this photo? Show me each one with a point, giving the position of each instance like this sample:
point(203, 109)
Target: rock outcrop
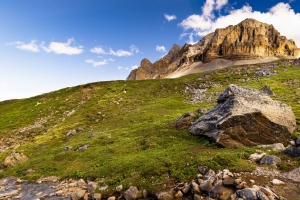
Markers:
point(160, 68)
point(14, 159)
point(248, 40)
point(246, 117)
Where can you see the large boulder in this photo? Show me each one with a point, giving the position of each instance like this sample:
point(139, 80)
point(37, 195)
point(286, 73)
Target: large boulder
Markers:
point(246, 117)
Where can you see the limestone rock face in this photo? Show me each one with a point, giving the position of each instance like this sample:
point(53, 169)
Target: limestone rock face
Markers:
point(159, 69)
point(248, 40)
point(246, 117)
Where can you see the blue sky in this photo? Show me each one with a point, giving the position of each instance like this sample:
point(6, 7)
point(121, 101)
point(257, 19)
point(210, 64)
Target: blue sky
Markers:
point(47, 45)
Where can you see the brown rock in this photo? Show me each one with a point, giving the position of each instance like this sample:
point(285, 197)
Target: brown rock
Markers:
point(14, 158)
point(79, 194)
point(228, 181)
point(221, 192)
point(185, 121)
point(159, 69)
point(131, 193)
point(233, 122)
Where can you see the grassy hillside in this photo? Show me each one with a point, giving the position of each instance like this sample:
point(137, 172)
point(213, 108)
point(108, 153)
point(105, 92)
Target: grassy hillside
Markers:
point(133, 140)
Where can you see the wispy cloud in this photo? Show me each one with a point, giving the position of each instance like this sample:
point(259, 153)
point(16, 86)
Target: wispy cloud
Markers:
point(96, 63)
point(99, 63)
point(98, 50)
point(207, 22)
point(170, 17)
point(119, 53)
point(134, 67)
point(160, 49)
point(63, 48)
point(32, 47)
point(120, 68)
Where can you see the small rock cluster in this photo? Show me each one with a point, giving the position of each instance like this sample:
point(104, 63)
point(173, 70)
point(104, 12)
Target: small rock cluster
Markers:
point(294, 148)
point(266, 71)
point(222, 185)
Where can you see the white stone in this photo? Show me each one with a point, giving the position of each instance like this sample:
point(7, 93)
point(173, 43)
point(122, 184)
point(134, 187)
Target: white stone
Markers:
point(277, 182)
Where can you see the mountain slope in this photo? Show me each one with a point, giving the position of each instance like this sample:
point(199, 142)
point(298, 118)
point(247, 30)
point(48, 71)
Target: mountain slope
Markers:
point(248, 40)
point(128, 127)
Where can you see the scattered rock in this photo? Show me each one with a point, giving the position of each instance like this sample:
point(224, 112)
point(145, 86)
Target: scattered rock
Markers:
point(166, 195)
point(67, 148)
point(82, 148)
point(91, 186)
point(257, 156)
point(247, 193)
point(131, 193)
point(119, 188)
point(97, 196)
point(185, 121)
point(14, 158)
point(277, 182)
point(293, 175)
point(202, 169)
point(71, 133)
point(79, 129)
point(221, 192)
point(275, 147)
point(292, 142)
point(270, 160)
point(111, 198)
point(232, 123)
point(77, 195)
point(292, 151)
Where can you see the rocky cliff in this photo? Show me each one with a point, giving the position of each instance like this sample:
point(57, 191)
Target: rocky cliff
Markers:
point(248, 40)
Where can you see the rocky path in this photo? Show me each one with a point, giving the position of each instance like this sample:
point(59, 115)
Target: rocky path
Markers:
point(264, 183)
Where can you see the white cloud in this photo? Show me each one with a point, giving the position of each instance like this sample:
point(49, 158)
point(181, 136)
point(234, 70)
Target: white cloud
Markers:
point(120, 68)
point(63, 48)
point(98, 50)
point(134, 49)
point(119, 53)
point(191, 39)
point(170, 17)
point(99, 63)
point(280, 15)
point(220, 4)
point(4, 85)
point(134, 67)
point(161, 48)
point(26, 47)
point(96, 63)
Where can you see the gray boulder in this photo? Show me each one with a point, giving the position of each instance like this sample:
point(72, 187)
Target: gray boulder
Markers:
point(293, 175)
point(246, 117)
point(131, 193)
point(247, 193)
point(270, 160)
point(293, 151)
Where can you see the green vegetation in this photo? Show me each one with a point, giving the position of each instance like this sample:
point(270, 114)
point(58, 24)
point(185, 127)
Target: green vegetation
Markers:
point(136, 141)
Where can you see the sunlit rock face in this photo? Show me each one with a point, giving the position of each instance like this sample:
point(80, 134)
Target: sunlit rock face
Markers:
point(248, 40)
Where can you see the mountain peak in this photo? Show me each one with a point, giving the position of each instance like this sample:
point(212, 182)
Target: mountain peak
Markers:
point(248, 40)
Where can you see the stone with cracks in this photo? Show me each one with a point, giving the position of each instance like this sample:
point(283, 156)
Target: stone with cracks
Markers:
point(246, 117)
